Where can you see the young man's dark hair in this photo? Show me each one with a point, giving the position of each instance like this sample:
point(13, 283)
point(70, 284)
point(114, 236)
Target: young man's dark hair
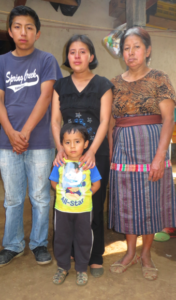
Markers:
point(84, 39)
point(75, 127)
point(24, 11)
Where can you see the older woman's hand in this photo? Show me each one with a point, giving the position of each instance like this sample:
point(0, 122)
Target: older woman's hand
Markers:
point(167, 113)
point(59, 159)
point(157, 169)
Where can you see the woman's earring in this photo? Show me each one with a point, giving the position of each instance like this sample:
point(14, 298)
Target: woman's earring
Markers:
point(149, 62)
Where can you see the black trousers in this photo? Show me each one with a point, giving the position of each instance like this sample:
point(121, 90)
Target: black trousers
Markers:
point(102, 163)
point(73, 228)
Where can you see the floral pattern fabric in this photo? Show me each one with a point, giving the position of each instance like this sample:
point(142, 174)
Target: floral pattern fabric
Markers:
point(141, 96)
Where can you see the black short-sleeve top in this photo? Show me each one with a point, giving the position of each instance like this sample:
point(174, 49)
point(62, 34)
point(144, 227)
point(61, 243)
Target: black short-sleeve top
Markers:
point(83, 107)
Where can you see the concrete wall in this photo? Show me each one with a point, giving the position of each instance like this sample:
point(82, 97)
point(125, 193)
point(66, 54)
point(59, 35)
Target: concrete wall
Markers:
point(95, 13)
point(164, 52)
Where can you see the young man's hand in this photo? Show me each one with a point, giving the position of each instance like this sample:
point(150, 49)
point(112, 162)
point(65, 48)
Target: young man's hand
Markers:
point(24, 134)
point(18, 142)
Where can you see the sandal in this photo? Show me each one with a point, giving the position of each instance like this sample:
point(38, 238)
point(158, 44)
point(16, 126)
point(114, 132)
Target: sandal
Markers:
point(81, 278)
point(117, 267)
point(150, 273)
point(60, 276)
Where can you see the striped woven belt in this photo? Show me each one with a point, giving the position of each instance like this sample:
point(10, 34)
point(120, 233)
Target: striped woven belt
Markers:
point(135, 168)
point(138, 120)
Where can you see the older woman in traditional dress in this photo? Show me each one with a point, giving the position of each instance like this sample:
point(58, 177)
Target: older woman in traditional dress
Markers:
point(142, 195)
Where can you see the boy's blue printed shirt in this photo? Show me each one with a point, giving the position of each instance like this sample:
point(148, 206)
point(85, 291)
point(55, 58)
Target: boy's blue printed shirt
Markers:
point(21, 79)
point(73, 191)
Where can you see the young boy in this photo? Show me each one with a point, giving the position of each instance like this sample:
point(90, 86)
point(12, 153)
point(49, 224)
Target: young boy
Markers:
point(27, 150)
point(73, 208)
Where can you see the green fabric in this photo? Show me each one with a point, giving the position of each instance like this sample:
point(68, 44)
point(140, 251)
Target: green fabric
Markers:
point(161, 237)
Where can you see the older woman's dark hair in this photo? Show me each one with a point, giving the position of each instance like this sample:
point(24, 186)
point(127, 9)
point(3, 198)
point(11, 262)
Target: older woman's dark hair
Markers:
point(142, 33)
point(84, 39)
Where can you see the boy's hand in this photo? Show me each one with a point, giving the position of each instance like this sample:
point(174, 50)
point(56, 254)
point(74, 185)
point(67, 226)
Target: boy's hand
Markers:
point(59, 160)
point(25, 134)
point(89, 159)
point(18, 142)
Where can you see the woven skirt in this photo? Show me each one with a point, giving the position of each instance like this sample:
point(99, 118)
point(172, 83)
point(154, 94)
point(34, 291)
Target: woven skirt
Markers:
point(137, 205)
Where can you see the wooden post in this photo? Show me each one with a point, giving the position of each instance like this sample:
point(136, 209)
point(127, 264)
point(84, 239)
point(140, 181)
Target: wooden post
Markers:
point(19, 2)
point(67, 2)
point(135, 13)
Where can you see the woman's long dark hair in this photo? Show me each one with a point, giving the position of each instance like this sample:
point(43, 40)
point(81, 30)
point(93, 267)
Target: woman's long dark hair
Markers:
point(84, 39)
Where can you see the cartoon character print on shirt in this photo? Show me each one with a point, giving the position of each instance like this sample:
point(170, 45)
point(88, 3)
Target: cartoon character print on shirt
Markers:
point(73, 180)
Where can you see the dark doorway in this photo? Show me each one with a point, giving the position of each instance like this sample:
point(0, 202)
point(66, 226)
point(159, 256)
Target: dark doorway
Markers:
point(6, 42)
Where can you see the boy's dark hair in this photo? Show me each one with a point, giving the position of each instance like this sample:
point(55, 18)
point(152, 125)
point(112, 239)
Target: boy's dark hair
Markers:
point(69, 127)
point(84, 39)
point(22, 10)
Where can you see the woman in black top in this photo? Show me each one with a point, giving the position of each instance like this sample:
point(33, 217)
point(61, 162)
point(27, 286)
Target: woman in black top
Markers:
point(86, 98)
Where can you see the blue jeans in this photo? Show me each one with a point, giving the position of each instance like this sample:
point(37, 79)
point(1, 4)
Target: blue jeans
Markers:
point(32, 167)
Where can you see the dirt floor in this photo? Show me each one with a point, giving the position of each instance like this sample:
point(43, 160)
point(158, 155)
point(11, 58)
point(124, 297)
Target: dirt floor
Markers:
point(23, 279)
